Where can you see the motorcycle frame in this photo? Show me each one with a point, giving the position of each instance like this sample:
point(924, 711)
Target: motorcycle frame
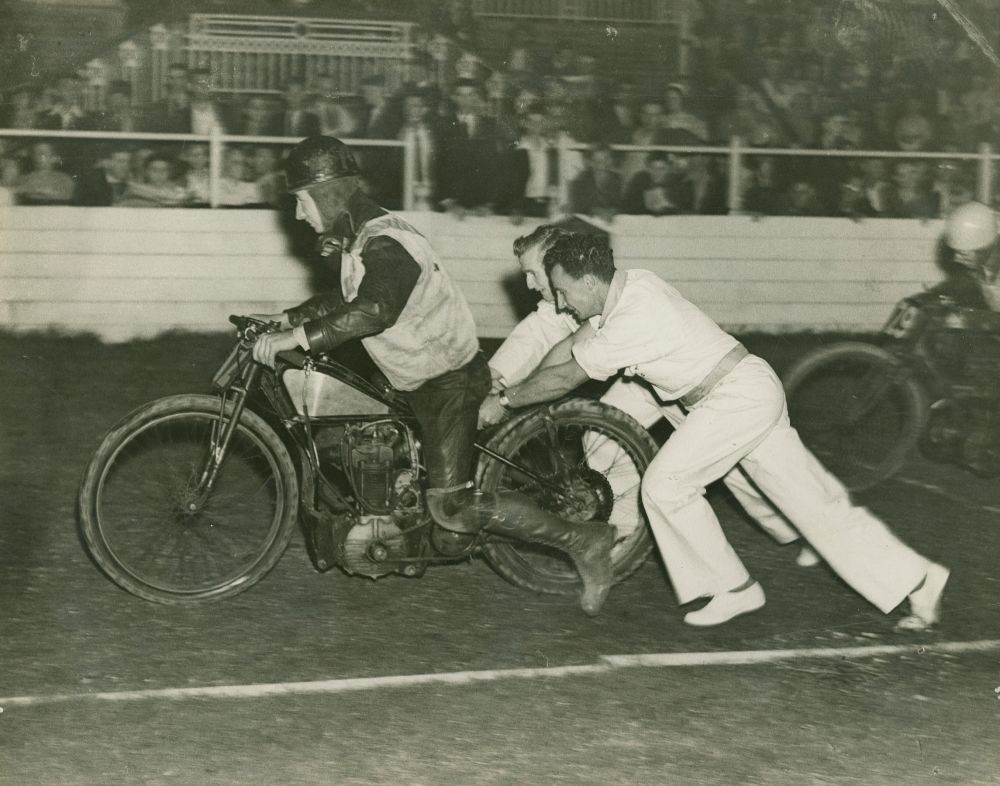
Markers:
point(911, 346)
point(259, 388)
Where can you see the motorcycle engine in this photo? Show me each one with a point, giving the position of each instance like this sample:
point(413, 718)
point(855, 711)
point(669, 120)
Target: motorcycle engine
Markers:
point(965, 432)
point(981, 451)
point(374, 546)
point(380, 461)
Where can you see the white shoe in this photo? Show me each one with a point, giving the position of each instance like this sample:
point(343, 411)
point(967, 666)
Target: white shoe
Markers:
point(925, 601)
point(807, 558)
point(722, 608)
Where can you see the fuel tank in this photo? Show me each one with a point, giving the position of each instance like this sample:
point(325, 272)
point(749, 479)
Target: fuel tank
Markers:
point(324, 395)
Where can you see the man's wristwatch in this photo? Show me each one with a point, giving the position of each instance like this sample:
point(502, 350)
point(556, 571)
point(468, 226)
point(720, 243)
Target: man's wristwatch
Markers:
point(504, 399)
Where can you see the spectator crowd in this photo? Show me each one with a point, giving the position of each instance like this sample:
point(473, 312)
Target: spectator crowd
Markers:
point(502, 139)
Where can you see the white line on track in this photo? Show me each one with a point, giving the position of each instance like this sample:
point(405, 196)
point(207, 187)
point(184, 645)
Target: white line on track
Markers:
point(606, 664)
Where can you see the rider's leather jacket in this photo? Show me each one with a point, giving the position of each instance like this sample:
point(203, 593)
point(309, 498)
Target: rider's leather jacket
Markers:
point(395, 296)
point(415, 325)
point(391, 274)
point(968, 287)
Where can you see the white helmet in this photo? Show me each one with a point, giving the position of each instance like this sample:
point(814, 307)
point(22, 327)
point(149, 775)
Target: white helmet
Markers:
point(971, 227)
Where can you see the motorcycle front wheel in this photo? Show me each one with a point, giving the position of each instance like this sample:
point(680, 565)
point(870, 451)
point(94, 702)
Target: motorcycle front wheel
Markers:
point(858, 411)
point(150, 528)
point(592, 458)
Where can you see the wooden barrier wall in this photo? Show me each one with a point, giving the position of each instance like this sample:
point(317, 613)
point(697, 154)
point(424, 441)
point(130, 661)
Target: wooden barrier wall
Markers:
point(124, 273)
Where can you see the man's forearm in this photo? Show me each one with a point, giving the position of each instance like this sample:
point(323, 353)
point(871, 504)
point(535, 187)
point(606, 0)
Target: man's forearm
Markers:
point(357, 319)
point(546, 384)
point(314, 308)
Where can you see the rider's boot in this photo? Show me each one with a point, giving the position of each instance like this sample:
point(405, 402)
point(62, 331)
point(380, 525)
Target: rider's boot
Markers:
point(515, 515)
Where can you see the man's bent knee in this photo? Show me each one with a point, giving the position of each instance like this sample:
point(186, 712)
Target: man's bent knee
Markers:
point(668, 492)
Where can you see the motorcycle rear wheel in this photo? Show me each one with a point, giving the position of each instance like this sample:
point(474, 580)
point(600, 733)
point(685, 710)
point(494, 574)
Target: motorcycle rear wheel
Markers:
point(577, 432)
point(146, 530)
point(857, 410)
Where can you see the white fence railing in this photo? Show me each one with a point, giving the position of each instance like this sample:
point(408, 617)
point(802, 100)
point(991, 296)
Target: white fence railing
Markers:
point(217, 141)
point(415, 193)
point(257, 54)
point(621, 11)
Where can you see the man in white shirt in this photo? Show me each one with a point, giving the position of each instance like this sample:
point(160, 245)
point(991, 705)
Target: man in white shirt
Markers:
point(736, 414)
point(536, 334)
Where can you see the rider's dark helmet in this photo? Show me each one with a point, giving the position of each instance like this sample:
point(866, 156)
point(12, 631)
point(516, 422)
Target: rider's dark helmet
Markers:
point(318, 159)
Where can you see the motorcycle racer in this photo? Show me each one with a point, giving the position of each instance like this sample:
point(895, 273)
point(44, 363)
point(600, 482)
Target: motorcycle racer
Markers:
point(396, 297)
point(971, 232)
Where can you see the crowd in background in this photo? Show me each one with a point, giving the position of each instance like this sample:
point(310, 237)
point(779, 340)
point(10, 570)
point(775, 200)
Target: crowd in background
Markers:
point(500, 139)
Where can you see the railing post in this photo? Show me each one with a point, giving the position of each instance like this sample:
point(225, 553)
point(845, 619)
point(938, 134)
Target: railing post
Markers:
point(214, 166)
point(562, 192)
point(734, 201)
point(984, 186)
point(684, 35)
point(159, 38)
point(409, 172)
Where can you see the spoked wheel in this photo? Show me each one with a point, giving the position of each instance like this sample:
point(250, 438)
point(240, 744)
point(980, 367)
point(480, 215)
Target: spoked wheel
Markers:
point(592, 458)
point(153, 530)
point(857, 410)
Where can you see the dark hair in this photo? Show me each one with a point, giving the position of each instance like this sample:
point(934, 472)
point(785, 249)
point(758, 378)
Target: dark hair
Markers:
point(544, 235)
point(581, 254)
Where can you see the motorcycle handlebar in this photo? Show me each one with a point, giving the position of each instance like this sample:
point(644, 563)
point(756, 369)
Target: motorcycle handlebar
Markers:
point(249, 328)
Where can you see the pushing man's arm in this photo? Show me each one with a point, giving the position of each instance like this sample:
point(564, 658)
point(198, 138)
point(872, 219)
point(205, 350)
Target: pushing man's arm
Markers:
point(563, 351)
point(548, 382)
point(492, 411)
point(527, 344)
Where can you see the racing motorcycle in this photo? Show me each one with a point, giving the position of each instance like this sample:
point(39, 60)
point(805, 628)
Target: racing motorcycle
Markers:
point(194, 498)
point(933, 382)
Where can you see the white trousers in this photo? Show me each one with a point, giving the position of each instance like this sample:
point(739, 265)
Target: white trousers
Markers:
point(744, 421)
point(637, 399)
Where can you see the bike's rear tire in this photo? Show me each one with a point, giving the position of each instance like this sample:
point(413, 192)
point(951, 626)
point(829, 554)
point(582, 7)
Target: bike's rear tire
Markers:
point(545, 570)
point(862, 449)
point(135, 498)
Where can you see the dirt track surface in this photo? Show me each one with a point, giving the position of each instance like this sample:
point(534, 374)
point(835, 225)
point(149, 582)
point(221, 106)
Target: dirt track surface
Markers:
point(915, 717)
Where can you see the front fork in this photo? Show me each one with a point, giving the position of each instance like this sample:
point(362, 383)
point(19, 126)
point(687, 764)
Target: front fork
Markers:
point(222, 433)
point(876, 385)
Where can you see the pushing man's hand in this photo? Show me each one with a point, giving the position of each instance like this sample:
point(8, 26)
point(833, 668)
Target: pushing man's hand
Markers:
point(270, 344)
point(491, 411)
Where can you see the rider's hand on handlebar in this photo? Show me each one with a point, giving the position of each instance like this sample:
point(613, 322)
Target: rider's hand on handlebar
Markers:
point(281, 318)
point(269, 345)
